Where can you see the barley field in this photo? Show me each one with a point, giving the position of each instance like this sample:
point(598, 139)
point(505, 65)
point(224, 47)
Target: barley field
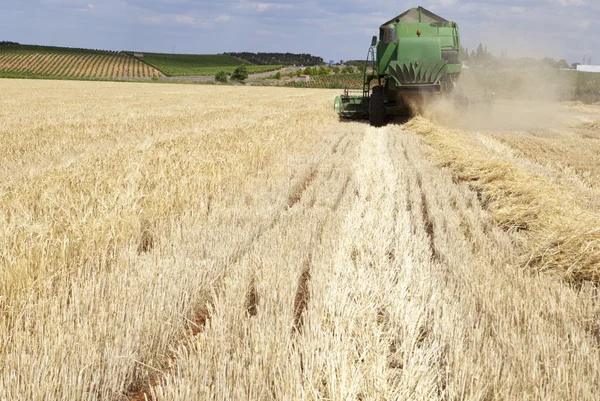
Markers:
point(174, 242)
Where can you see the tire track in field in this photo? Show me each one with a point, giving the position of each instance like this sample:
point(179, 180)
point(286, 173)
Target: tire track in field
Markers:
point(346, 322)
point(302, 294)
point(302, 297)
point(265, 299)
point(383, 295)
point(379, 295)
point(252, 298)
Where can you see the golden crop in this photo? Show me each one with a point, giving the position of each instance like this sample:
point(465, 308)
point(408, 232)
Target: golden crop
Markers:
point(199, 242)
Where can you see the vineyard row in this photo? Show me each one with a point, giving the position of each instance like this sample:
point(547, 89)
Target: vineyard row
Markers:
point(76, 65)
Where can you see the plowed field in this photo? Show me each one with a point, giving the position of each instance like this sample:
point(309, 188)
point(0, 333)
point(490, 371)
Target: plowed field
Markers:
point(174, 242)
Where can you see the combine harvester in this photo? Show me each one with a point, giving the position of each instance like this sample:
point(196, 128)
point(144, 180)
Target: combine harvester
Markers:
point(417, 58)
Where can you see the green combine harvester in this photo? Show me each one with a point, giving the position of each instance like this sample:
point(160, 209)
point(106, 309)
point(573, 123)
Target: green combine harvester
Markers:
point(416, 58)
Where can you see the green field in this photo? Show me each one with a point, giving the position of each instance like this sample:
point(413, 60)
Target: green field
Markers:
point(188, 65)
point(337, 81)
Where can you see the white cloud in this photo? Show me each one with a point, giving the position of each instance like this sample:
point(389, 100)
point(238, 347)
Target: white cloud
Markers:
point(262, 7)
point(84, 8)
point(566, 3)
point(185, 19)
point(584, 24)
point(223, 18)
point(150, 19)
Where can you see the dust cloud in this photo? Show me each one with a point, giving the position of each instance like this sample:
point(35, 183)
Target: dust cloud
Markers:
point(504, 100)
point(501, 115)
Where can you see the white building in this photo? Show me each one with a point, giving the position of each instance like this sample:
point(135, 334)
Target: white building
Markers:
point(304, 78)
point(588, 68)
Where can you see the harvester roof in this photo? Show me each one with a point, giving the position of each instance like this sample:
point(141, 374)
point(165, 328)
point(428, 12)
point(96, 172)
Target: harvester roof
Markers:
point(417, 14)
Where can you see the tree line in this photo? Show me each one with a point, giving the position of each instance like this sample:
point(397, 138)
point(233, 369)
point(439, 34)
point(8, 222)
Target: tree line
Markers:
point(278, 58)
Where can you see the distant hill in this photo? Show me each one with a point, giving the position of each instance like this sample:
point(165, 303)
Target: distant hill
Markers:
point(278, 58)
point(199, 64)
point(30, 61)
point(62, 62)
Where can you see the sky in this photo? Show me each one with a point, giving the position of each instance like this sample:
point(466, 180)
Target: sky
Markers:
point(333, 29)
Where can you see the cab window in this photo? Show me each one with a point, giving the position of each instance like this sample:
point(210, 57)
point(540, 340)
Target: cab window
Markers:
point(388, 35)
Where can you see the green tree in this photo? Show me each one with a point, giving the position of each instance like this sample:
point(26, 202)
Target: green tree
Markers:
point(278, 75)
point(240, 74)
point(323, 71)
point(550, 62)
point(562, 64)
point(221, 76)
point(480, 52)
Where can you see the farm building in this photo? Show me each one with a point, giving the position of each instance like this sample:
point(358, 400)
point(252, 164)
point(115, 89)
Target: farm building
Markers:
point(138, 55)
point(304, 78)
point(588, 68)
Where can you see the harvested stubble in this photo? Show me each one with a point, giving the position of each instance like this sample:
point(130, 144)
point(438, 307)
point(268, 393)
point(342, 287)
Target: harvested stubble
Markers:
point(564, 233)
point(413, 294)
point(261, 250)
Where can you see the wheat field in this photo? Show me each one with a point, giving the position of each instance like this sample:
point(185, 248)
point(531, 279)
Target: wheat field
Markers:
point(171, 242)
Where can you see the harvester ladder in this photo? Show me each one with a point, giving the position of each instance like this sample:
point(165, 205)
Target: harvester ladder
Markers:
point(368, 77)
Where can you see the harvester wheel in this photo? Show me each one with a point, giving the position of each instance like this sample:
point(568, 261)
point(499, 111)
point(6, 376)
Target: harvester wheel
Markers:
point(376, 107)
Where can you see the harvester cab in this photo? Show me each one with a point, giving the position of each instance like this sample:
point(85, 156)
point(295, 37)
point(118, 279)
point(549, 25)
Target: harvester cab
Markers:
point(416, 57)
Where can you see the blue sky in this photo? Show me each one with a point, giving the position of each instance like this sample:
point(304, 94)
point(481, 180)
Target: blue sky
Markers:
point(334, 29)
